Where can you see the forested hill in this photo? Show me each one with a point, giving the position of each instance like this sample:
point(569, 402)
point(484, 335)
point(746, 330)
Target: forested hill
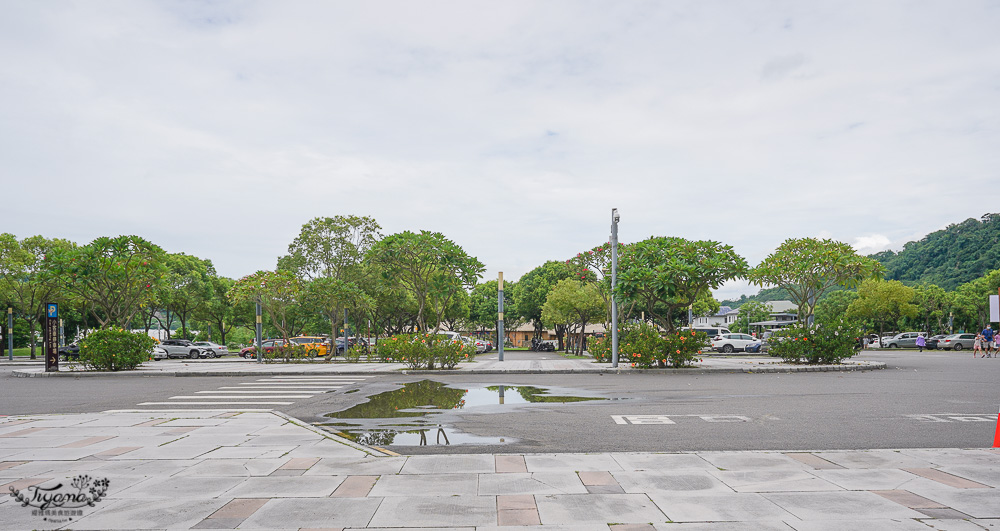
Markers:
point(950, 257)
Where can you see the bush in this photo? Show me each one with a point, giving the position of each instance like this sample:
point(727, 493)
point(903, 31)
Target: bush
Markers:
point(422, 351)
point(642, 345)
point(114, 349)
point(355, 353)
point(287, 354)
point(823, 343)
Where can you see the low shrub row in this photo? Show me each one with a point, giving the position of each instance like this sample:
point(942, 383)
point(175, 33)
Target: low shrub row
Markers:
point(422, 351)
point(114, 349)
point(643, 345)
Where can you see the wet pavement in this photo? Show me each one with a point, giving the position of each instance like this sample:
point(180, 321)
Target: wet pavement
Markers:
point(263, 470)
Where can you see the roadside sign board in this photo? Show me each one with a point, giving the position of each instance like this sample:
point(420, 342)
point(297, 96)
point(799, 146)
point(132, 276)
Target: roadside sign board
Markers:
point(994, 308)
point(51, 337)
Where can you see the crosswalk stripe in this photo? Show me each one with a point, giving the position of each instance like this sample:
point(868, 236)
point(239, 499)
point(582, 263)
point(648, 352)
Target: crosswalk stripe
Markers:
point(241, 391)
point(212, 403)
point(240, 397)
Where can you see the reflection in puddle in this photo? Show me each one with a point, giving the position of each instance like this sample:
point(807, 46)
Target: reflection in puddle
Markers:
point(425, 398)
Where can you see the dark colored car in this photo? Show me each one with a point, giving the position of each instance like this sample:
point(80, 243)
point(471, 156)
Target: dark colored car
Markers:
point(68, 351)
point(932, 342)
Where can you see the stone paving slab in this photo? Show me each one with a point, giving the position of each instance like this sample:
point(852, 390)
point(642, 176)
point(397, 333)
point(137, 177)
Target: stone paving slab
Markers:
point(312, 480)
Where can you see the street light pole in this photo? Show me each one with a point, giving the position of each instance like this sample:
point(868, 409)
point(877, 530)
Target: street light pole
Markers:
point(259, 328)
point(10, 333)
point(614, 283)
point(500, 332)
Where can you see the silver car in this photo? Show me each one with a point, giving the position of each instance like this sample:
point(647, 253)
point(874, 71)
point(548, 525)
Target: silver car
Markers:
point(957, 341)
point(904, 340)
point(183, 348)
point(217, 349)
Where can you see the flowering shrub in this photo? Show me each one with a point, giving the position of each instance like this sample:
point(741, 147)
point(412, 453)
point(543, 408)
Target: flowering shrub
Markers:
point(828, 342)
point(642, 345)
point(287, 354)
point(422, 351)
point(114, 349)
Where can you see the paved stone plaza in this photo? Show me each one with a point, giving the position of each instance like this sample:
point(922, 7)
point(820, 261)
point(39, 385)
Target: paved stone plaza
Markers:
point(262, 470)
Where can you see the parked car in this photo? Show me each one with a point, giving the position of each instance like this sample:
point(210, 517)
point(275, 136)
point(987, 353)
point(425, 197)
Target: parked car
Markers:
point(903, 340)
point(217, 349)
point(184, 348)
point(316, 346)
point(957, 341)
point(69, 351)
point(489, 345)
point(352, 341)
point(159, 353)
point(268, 345)
point(711, 331)
point(729, 343)
point(932, 342)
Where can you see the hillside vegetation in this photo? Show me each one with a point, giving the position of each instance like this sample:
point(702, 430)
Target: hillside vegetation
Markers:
point(950, 257)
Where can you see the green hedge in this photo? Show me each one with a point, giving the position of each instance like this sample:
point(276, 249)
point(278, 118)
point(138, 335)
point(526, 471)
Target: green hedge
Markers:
point(114, 349)
point(423, 351)
point(643, 345)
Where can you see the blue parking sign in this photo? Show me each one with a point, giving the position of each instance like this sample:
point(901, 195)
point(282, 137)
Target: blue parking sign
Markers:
point(52, 310)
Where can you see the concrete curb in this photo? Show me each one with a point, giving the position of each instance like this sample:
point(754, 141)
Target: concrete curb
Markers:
point(852, 367)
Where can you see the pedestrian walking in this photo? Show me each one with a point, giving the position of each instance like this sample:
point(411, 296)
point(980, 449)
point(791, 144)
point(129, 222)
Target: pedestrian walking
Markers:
point(988, 341)
point(921, 342)
point(977, 346)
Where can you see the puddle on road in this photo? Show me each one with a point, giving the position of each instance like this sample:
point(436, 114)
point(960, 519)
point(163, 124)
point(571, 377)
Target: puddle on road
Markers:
point(424, 399)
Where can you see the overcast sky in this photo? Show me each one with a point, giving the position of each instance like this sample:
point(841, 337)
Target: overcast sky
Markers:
point(218, 128)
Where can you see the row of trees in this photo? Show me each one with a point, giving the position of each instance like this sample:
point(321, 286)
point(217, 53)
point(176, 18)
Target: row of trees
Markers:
point(342, 269)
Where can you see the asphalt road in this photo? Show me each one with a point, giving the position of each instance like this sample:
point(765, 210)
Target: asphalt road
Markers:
point(923, 400)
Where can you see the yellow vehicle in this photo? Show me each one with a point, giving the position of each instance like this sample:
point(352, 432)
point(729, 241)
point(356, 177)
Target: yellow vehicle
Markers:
point(315, 345)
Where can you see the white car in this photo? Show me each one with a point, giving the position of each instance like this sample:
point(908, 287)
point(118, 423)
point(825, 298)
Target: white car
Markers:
point(219, 350)
point(729, 343)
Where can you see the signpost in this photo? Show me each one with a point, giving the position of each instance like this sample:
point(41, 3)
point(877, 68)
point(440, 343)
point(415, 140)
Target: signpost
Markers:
point(51, 338)
point(10, 333)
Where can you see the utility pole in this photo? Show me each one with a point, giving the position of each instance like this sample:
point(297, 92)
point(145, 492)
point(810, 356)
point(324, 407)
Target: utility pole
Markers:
point(500, 332)
point(614, 283)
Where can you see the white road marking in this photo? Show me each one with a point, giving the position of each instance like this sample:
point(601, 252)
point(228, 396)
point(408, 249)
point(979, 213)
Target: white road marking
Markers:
point(952, 417)
point(665, 419)
point(269, 397)
point(244, 390)
point(212, 403)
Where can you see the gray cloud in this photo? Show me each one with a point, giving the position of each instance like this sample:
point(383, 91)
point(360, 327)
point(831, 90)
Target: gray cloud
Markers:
point(219, 128)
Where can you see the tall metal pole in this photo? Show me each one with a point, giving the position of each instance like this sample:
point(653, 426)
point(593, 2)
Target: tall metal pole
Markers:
point(614, 284)
point(347, 344)
point(500, 332)
point(260, 332)
point(10, 333)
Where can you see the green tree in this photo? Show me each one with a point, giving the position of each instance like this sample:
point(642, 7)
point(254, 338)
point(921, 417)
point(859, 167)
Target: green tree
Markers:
point(276, 291)
point(332, 251)
point(430, 267)
point(808, 267)
point(24, 278)
point(112, 277)
point(834, 305)
point(972, 300)
point(532, 289)
point(751, 312)
point(883, 302)
point(218, 309)
point(575, 303)
point(932, 303)
point(665, 274)
point(187, 286)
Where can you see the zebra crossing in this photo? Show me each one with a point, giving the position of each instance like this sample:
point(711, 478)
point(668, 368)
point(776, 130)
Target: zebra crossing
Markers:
point(260, 394)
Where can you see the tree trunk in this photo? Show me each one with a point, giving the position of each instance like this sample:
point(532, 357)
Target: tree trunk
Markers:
point(31, 335)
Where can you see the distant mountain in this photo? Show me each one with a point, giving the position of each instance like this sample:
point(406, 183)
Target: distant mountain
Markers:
point(950, 257)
